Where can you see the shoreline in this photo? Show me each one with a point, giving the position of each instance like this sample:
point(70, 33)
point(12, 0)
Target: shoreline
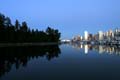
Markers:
point(28, 44)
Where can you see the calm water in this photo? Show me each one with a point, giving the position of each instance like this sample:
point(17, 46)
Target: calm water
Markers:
point(63, 62)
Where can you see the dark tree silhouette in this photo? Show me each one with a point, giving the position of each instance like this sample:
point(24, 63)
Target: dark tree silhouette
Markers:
point(21, 33)
point(53, 35)
point(17, 25)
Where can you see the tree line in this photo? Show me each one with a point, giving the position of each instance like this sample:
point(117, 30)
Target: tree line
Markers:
point(21, 33)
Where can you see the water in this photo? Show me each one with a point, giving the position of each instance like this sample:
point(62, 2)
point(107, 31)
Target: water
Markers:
point(63, 62)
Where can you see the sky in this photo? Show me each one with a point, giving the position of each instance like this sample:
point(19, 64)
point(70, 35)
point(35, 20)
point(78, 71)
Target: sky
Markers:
point(70, 17)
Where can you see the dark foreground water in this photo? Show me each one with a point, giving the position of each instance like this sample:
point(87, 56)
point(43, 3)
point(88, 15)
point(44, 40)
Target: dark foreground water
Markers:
point(63, 62)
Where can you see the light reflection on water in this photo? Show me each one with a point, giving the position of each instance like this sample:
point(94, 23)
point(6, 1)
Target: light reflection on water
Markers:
point(100, 48)
point(86, 49)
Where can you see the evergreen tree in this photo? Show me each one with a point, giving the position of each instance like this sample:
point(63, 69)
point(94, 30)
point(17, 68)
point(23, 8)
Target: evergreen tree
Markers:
point(18, 33)
point(24, 27)
point(17, 25)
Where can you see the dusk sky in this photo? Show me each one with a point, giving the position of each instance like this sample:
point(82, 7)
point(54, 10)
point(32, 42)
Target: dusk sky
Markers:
point(71, 17)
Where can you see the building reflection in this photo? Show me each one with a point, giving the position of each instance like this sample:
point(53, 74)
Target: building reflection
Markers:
point(81, 46)
point(86, 48)
point(19, 56)
point(99, 48)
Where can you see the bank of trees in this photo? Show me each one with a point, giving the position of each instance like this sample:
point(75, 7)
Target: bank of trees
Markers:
point(21, 33)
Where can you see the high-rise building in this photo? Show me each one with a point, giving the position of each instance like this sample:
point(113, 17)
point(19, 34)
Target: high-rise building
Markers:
point(81, 38)
point(86, 35)
point(78, 38)
point(100, 33)
point(110, 33)
point(117, 34)
point(90, 37)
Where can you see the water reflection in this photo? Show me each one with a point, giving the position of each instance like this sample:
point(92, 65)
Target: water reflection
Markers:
point(100, 48)
point(19, 56)
point(86, 48)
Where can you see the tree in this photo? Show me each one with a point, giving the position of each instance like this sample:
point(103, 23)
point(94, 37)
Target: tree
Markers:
point(22, 33)
point(17, 25)
point(53, 34)
point(2, 19)
point(7, 22)
point(24, 27)
point(2, 28)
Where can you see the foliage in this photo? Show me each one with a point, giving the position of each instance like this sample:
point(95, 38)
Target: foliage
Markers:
point(18, 33)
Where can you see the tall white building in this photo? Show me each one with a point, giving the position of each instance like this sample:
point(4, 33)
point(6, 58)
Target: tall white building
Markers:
point(86, 35)
point(100, 33)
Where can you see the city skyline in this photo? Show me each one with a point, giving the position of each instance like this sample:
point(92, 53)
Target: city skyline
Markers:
point(70, 17)
point(108, 37)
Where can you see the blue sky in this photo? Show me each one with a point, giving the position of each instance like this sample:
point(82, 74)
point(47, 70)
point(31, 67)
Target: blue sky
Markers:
point(71, 17)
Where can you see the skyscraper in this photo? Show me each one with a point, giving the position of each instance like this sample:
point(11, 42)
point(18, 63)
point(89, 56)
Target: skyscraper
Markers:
point(100, 35)
point(85, 35)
